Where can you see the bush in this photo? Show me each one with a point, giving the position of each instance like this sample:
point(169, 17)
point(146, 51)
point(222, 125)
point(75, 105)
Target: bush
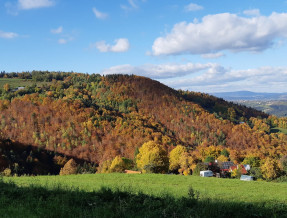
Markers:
point(7, 172)
point(256, 172)
point(69, 168)
point(199, 167)
point(120, 164)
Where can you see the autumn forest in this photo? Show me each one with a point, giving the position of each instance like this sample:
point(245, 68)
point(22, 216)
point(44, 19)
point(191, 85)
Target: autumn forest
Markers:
point(108, 123)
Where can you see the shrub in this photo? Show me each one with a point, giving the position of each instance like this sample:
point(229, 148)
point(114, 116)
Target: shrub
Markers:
point(7, 172)
point(283, 164)
point(69, 168)
point(104, 167)
point(199, 167)
point(256, 172)
point(119, 164)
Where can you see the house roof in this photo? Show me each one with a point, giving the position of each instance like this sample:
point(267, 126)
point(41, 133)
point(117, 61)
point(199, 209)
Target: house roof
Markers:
point(226, 165)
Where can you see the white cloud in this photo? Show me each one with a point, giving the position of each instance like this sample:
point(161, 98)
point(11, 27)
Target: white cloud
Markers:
point(223, 32)
point(100, 15)
point(212, 55)
point(210, 77)
point(31, 4)
point(162, 71)
point(193, 7)
point(253, 12)
point(8, 35)
point(57, 31)
point(219, 78)
point(121, 45)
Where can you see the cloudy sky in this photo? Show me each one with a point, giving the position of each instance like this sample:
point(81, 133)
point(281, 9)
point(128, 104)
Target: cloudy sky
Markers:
point(201, 45)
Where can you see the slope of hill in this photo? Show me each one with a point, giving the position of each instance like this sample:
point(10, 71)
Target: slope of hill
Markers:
point(96, 118)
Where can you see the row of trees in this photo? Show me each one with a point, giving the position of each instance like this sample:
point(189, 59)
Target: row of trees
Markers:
point(152, 157)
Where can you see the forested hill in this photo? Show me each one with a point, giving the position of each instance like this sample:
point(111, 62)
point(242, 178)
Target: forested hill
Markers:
point(96, 118)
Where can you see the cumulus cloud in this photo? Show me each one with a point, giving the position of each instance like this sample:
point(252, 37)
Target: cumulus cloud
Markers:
point(161, 71)
point(57, 30)
point(121, 45)
point(193, 7)
point(31, 4)
point(219, 78)
point(209, 77)
point(223, 32)
point(8, 35)
point(100, 15)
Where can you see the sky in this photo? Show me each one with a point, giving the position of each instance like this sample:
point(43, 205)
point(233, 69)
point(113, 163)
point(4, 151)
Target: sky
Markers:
point(201, 45)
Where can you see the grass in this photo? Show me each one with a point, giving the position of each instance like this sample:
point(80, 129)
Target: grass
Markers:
point(277, 129)
point(14, 82)
point(123, 195)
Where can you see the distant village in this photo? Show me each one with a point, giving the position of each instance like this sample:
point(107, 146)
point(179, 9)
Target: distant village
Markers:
point(225, 169)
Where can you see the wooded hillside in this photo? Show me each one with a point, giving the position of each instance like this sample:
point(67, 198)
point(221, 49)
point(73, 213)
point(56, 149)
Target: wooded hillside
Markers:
point(96, 118)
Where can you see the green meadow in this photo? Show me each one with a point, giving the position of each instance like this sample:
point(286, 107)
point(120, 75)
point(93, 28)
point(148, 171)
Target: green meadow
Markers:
point(14, 82)
point(147, 195)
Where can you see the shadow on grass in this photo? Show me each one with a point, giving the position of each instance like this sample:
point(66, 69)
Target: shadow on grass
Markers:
point(35, 201)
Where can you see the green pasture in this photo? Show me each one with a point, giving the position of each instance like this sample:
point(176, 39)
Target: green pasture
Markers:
point(14, 83)
point(146, 195)
point(157, 185)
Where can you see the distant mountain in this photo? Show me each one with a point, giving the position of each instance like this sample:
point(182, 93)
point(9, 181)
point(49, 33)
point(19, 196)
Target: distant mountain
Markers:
point(247, 95)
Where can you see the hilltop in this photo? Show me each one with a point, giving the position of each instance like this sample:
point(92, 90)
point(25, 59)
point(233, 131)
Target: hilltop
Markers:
point(95, 118)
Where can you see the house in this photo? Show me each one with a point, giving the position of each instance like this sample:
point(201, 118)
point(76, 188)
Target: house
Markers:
point(225, 166)
point(206, 173)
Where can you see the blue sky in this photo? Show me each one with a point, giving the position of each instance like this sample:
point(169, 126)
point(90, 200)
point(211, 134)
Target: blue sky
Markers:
point(204, 45)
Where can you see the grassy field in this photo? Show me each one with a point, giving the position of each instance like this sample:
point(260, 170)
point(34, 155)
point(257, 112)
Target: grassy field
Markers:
point(277, 129)
point(122, 195)
point(14, 83)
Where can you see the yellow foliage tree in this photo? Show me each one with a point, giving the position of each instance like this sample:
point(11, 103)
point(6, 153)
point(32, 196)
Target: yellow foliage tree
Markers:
point(270, 169)
point(69, 168)
point(152, 158)
point(236, 173)
point(119, 164)
point(6, 87)
point(222, 158)
point(175, 158)
point(186, 164)
point(104, 167)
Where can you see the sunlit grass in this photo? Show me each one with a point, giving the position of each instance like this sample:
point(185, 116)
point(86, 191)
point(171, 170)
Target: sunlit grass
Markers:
point(175, 185)
point(150, 195)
